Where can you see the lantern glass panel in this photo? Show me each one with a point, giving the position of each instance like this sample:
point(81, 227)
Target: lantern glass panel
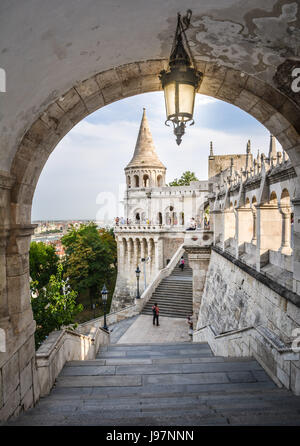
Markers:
point(186, 100)
point(169, 91)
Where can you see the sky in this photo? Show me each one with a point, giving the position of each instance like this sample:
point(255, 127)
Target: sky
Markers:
point(84, 176)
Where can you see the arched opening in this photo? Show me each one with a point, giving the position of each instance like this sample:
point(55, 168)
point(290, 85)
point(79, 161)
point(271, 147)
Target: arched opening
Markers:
point(159, 218)
point(128, 181)
point(159, 180)
point(146, 181)
point(136, 181)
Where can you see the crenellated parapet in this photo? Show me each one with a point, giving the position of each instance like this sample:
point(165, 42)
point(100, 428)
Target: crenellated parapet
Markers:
point(252, 212)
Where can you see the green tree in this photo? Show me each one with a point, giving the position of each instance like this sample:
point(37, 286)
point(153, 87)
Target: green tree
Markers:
point(185, 179)
point(53, 306)
point(90, 259)
point(43, 262)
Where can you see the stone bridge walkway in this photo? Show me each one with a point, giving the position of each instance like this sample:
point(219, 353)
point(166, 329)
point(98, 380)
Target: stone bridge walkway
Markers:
point(146, 379)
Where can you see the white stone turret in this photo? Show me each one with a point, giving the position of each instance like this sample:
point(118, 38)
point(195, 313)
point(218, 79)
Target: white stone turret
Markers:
point(145, 168)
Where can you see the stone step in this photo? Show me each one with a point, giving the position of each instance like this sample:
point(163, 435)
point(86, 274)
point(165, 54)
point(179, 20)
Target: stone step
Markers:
point(169, 301)
point(250, 371)
point(171, 298)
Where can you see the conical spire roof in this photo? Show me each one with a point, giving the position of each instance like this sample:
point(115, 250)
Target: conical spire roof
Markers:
point(145, 154)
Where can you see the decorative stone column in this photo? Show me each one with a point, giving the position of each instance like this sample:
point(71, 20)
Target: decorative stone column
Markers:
point(129, 255)
point(286, 230)
point(296, 246)
point(199, 257)
point(228, 226)
point(136, 253)
point(159, 255)
point(244, 228)
point(217, 216)
point(121, 256)
point(20, 386)
point(254, 227)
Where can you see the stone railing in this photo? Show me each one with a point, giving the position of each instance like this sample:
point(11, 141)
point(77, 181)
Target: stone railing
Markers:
point(111, 318)
point(276, 358)
point(66, 345)
point(144, 227)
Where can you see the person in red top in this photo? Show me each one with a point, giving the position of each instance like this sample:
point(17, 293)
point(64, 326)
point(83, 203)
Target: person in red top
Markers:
point(155, 311)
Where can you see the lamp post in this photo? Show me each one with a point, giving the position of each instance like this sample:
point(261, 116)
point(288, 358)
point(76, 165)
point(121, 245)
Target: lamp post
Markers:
point(181, 81)
point(104, 293)
point(138, 272)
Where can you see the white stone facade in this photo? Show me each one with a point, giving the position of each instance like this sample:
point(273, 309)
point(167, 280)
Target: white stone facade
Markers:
point(155, 219)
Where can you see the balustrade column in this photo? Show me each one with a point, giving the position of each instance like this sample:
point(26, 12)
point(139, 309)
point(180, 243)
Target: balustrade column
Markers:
point(254, 216)
point(121, 262)
point(136, 252)
point(286, 230)
point(129, 255)
point(158, 254)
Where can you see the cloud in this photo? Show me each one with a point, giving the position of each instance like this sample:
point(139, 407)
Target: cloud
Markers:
point(90, 159)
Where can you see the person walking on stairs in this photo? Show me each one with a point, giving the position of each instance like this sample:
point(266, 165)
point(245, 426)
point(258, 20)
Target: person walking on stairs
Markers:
point(155, 311)
point(181, 263)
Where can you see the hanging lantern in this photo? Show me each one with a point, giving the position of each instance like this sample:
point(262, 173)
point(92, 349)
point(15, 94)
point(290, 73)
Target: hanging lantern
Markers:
point(180, 82)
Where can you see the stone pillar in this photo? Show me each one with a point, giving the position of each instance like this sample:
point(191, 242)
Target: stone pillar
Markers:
point(254, 226)
point(136, 259)
point(121, 256)
point(244, 227)
point(286, 230)
point(228, 226)
point(296, 246)
point(129, 255)
point(20, 387)
point(199, 257)
point(159, 254)
point(269, 232)
point(217, 216)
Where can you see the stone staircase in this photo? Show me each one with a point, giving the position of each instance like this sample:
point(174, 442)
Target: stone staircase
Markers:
point(180, 384)
point(174, 294)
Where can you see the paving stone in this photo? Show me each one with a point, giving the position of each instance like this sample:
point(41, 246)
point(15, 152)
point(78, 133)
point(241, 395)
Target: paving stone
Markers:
point(95, 381)
point(88, 371)
point(188, 378)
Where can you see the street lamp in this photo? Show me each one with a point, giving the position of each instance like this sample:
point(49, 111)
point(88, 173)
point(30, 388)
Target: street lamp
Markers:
point(138, 272)
point(181, 81)
point(104, 293)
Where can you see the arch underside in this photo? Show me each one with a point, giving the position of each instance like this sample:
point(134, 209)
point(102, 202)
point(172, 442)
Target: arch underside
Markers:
point(273, 109)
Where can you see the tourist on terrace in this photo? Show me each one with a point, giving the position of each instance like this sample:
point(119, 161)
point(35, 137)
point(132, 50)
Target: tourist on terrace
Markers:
point(192, 225)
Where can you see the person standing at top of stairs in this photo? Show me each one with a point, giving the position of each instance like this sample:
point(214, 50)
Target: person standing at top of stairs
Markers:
point(181, 263)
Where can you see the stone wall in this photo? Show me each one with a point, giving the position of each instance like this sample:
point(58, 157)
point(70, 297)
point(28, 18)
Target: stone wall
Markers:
point(170, 247)
point(236, 298)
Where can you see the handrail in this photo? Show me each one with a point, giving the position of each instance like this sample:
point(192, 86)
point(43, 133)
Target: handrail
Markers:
point(270, 337)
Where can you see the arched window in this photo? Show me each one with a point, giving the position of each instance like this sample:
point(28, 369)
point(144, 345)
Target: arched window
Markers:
point(146, 181)
point(136, 181)
point(159, 181)
point(159, 218)
point(137, 217)
point(128, 181)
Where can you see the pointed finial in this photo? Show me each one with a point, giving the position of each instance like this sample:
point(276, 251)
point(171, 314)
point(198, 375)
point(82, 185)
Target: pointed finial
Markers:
point(211, 152)
point(248, 150)
point(272, 150)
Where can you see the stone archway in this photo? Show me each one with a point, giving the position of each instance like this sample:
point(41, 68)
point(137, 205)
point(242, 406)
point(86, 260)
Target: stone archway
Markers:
point(278, 113)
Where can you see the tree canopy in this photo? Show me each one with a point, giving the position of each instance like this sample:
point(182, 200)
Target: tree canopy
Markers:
point(91, 258)
point(53, 306)
point(43, 262)
point(185, 179)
